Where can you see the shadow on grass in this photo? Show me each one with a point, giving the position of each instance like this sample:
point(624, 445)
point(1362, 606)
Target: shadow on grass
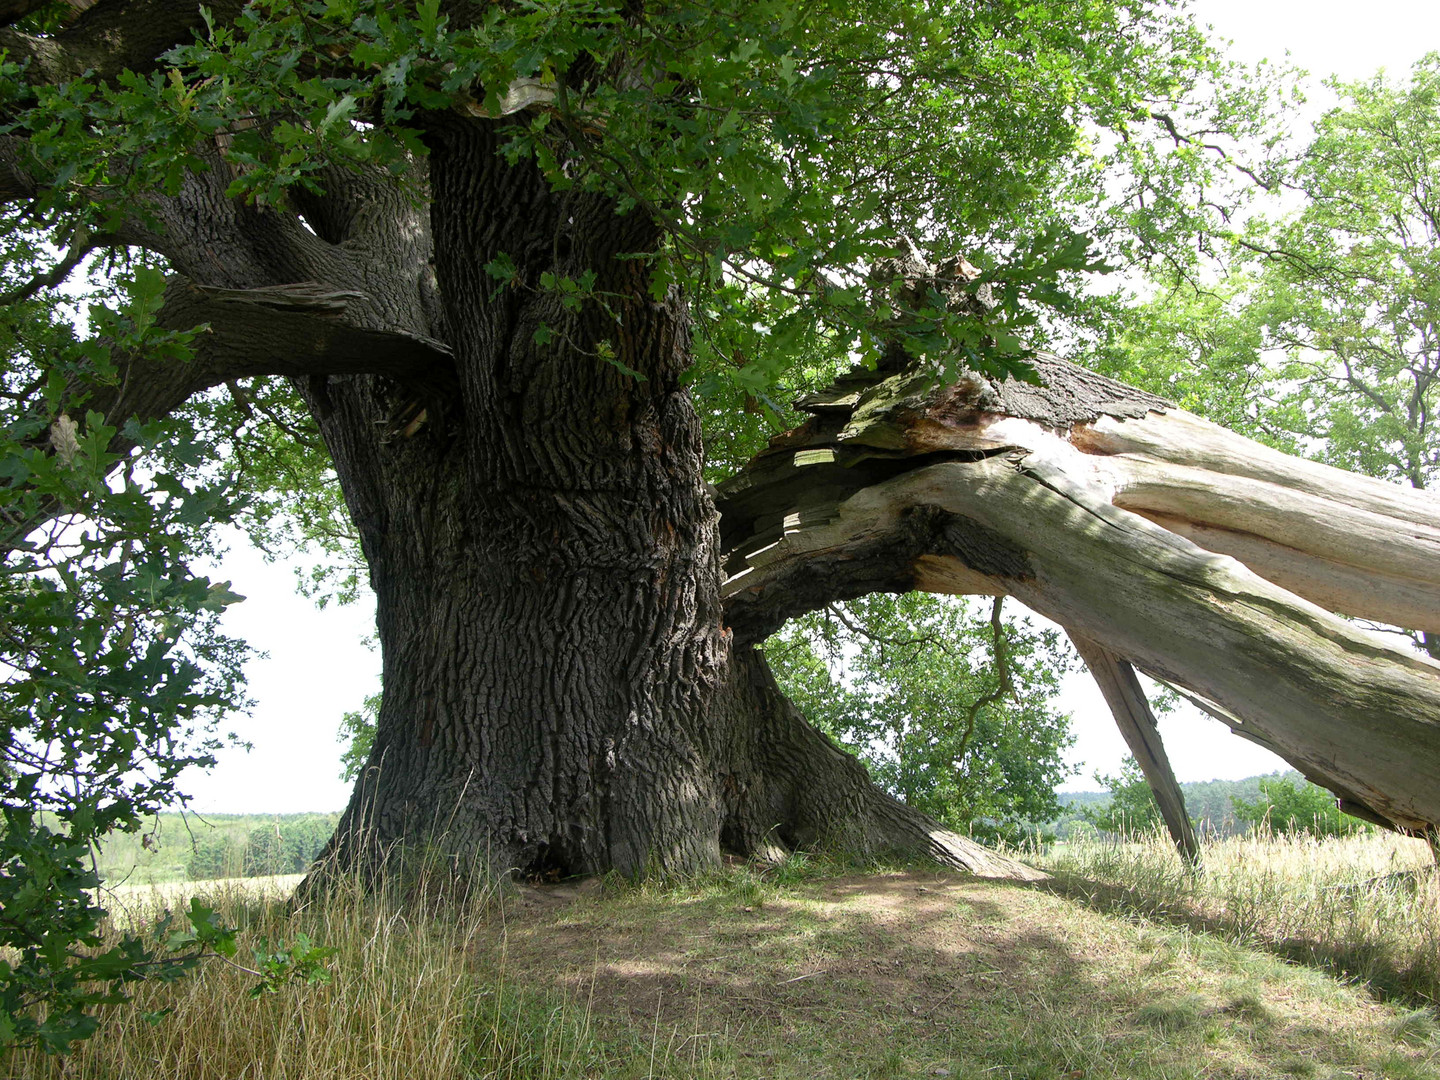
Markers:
point(912, 974)
point(1368, 964)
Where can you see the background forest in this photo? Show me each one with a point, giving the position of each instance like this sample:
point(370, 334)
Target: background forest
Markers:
point(172, 848)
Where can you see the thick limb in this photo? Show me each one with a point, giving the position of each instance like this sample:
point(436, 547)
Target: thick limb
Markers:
point(963, 489)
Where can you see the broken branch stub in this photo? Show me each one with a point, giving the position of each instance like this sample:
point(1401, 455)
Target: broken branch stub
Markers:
point(1126, 698)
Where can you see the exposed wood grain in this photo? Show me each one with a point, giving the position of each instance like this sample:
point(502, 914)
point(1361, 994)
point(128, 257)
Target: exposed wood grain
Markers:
point(1189, 552)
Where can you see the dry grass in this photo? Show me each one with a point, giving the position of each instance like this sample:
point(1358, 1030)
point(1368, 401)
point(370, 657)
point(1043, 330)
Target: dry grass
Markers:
point(131, 905)
point(402, 1001)
point(787, 975)
point(1365, 907)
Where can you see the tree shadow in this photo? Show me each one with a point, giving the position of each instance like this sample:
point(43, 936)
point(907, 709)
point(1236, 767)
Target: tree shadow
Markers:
point(920, 974)
point(1367, 964)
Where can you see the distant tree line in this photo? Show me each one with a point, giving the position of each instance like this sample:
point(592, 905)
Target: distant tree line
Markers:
point(282, 846)
point(1281, 802)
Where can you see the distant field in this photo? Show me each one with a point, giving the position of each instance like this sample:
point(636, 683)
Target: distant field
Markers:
point(130, 904)
point(191, 847)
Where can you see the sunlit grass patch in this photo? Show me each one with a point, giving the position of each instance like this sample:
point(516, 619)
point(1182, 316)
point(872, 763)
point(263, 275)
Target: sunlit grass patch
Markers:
point(1366, 907)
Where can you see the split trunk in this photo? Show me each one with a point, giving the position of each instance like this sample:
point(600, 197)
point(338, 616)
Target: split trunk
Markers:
point(568, 615)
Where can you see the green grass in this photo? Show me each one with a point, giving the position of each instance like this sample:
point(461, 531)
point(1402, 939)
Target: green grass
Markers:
point(811, 970)
point(1365, 908)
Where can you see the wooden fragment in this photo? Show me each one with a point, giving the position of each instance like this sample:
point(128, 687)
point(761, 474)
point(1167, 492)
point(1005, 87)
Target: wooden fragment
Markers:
point(1126, 698)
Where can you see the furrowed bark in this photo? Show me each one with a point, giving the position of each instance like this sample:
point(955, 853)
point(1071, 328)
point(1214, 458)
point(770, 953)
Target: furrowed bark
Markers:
point(303, 331)
point(111, 37)
point(300, 330)
point(546, 572)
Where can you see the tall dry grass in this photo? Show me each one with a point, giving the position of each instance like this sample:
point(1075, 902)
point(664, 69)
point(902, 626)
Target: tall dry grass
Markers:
point(404, 999)
point(1366, 907)
point(411, 995)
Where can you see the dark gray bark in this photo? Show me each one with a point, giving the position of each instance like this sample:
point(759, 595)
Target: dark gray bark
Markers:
point(110, 37)
point(543, 553)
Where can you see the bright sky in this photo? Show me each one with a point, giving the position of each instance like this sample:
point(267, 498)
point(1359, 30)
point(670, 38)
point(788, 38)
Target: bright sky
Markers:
point(317, 667)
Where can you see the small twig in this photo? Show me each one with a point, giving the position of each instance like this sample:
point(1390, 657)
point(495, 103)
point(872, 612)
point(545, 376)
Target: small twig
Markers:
point(238, 967)
point(856, 627)
point(55, 275)
point(797, 978)
point(951, 992)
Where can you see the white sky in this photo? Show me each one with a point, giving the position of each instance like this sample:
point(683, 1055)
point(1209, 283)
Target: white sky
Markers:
point(317, 667)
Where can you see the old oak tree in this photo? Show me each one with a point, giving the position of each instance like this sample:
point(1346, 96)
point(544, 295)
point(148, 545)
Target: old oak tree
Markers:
point(485, 253)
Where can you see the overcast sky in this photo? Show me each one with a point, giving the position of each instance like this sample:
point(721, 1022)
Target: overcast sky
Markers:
point(318, 668)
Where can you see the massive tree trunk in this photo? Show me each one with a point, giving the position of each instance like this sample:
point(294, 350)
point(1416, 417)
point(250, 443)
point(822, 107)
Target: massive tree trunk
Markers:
point(560, 695)
point(542, 549)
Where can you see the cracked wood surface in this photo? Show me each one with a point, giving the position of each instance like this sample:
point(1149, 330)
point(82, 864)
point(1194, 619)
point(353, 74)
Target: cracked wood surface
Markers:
point(1126, 698)
point(1096, 517)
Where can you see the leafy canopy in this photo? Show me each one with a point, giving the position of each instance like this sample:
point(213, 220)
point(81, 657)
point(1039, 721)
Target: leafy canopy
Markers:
point(1349, 287)
point(1322, 335)
point(783, 148)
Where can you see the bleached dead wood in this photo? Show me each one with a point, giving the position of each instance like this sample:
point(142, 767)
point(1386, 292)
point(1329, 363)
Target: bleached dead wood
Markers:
point(1126, 698)
point(1089, 502)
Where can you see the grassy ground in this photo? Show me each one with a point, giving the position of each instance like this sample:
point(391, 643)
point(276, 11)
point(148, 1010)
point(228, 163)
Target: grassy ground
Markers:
point(795, 973)
point(1366, 908)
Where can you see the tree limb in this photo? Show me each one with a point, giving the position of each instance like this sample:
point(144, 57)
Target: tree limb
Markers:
point(292, 330)
point(1126, 698)
point(979, 490)
point(111, 37)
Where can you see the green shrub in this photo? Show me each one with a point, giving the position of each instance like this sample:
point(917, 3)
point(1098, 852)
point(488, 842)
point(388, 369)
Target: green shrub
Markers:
point(1288, 809)
point(1132, 807)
